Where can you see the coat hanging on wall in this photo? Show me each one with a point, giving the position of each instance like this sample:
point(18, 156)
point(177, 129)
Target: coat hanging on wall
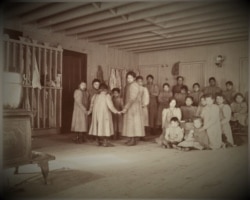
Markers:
point(99, 73)
point(175, 69)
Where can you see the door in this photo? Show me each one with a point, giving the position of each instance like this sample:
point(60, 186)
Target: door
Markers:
point(243, 88)
point(74, 71)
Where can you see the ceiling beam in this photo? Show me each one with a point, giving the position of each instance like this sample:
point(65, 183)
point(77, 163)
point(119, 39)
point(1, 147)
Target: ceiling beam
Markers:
point(156, 20)
point(226, 29)
point(189, 40)
point(186, 22)
point(219, 41)
point(75, 13)
point(22, 9)
point(184, 28)
point(169, 8)
point(50, 10)
point(121, 27)
point(119, 11)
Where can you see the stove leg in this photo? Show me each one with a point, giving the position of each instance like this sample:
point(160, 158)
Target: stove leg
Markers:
point(44, 165)
point(16, 170)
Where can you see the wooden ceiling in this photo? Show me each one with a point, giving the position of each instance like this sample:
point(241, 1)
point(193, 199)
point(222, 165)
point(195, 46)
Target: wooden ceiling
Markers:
point(139, 26)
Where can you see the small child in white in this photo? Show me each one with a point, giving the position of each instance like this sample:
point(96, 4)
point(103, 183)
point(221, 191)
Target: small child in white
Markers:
point(195, 139)
point(174, 134)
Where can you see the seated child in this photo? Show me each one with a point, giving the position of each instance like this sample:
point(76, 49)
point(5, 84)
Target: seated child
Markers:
point(195, 139)
point(173, 134)
point(188, 111)
point(239, 111)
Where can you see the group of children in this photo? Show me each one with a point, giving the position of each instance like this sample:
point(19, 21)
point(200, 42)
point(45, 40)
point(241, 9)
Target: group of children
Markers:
point(205, 127)
point(197, 119)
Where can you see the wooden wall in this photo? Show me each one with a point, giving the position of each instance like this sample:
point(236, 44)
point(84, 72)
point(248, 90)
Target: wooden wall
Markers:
point(236, 55)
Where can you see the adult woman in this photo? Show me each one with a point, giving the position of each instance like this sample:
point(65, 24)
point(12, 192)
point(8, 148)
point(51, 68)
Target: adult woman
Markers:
point(133, 123)
point(79, 119)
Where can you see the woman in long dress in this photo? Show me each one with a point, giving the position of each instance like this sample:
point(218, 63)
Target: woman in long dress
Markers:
point(225, 116)
point(80, 118)
point(211, 118)
point(102, 124)
point(133, 124)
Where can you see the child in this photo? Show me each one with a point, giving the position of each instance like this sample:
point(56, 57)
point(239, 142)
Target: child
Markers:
point(180, 97)
point(195, 138)
point(225, 115)
point(117, 119)
point(102, 125)
point(173, 134)
point(196, 93)
point(145, 102)
point(229, 92)
point(202, 104)
point(167, 115)
point(188, 111)
point(239, 111)
point(211, 118)
point(163, 100)
point(80, 118)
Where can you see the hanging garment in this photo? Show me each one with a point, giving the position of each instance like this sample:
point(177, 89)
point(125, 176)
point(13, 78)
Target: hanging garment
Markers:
point(118, 79)
point(112, 79)
point(99, 74)
point(35, 74)
point(175, 69)
point(27, 66)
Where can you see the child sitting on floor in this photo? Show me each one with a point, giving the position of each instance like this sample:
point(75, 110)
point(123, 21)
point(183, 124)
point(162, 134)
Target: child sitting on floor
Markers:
point(195, 139)
point(173, 135)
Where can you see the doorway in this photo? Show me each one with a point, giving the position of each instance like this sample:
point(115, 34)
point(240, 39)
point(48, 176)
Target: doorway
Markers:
point(74, 71)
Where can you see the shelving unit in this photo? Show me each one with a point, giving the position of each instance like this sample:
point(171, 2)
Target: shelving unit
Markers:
point(36, 61)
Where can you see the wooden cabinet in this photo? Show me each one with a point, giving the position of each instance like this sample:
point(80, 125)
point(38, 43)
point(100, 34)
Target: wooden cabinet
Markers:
point(40, 66)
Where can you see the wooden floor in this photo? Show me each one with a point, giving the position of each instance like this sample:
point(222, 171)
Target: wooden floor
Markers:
point(142, 171)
